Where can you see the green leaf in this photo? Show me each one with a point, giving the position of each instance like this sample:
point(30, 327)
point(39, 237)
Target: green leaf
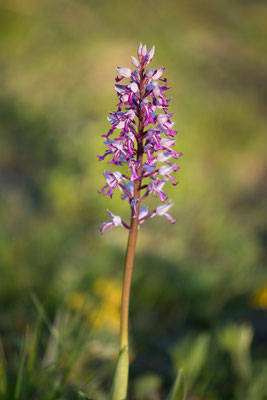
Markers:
point(120, 379)
point(21, 370)
point(33, 347)
point(178, 390)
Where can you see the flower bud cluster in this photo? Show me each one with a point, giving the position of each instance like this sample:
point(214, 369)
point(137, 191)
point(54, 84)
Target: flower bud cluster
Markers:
point(145, 140)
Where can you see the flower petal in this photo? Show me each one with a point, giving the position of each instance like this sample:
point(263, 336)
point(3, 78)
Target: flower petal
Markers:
point(139, 50)
point(151, 53)
point(133, 87)
point(126, 72)
point(144, 50)
point(134, 62)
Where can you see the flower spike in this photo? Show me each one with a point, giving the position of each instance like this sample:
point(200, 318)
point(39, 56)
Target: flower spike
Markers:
point(144, 143)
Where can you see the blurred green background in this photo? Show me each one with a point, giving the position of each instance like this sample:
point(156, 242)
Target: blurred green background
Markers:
point(199, 295)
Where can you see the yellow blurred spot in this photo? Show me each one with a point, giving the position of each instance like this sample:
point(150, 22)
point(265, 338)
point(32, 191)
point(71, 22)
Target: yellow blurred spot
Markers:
point(108, 315)
point(259, 298)
point(108, 290)
point(76, 300)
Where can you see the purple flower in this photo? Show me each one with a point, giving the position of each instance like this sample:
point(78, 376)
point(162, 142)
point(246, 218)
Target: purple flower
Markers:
point(113, 180)
point(162, 210)
point(115, 221)
point(155, 187)
point(144, 143)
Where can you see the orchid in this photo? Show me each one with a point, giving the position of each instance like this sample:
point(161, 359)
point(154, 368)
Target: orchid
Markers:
point(142, 144)
point(144, 138)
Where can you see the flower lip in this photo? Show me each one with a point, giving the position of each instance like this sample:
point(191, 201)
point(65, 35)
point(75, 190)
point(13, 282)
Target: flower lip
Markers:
point(161, 210)
point(115, 218)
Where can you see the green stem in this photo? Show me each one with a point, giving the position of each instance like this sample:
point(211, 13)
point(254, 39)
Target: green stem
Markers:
point(130, 253)
point(127, 282)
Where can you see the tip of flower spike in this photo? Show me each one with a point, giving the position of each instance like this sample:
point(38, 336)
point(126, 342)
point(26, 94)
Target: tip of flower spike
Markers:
point(144, 91)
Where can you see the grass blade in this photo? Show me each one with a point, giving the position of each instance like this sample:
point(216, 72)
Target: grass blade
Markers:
point(34, 346)
point(178, 390)
point(21, 371)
